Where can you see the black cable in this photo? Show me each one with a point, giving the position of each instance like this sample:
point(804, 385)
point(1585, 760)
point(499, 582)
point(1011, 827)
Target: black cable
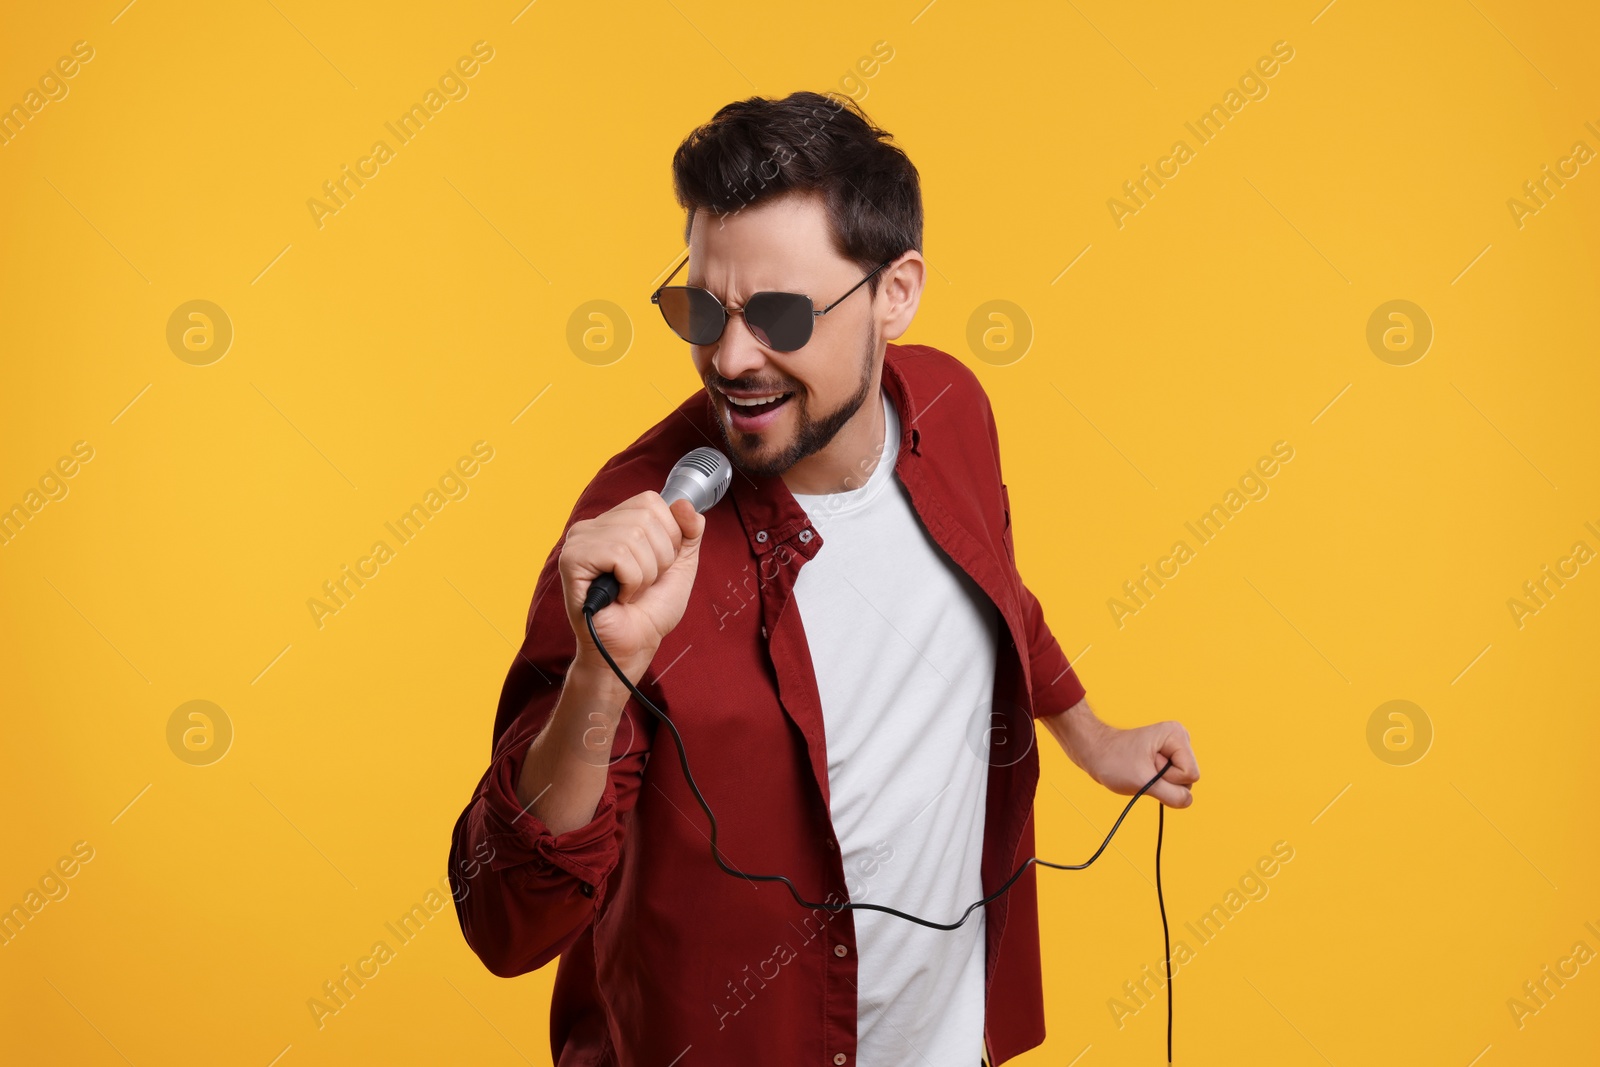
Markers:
point(716, 853)
point(1166, 941)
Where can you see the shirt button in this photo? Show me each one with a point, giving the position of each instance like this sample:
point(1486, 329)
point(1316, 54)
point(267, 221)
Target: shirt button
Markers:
point(838, 1057)
point(586, 889)
point(840, 950)
point(761, 535)
point(805, 536)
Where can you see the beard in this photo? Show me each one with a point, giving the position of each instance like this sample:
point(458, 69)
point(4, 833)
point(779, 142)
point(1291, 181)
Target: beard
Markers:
point(812, 435)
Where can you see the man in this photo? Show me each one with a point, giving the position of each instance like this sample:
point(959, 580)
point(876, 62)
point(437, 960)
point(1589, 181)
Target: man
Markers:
point(843, 642)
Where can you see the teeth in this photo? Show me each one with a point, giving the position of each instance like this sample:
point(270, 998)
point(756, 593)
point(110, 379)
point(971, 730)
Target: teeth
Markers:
point(748, 402)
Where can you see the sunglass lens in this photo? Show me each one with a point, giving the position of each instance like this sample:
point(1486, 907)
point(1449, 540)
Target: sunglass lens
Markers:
point(693, 314)
point(781, 321)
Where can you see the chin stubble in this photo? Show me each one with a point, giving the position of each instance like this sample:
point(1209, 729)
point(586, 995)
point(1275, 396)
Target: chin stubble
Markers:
point(812, 435)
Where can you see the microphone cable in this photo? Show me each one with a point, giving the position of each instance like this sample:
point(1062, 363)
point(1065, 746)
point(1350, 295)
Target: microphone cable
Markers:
point(716, 853)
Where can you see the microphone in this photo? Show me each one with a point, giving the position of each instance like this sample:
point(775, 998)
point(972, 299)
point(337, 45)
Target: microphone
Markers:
point(701, 477)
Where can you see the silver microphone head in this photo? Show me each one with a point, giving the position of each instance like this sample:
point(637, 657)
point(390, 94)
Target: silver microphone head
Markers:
point(701, 477)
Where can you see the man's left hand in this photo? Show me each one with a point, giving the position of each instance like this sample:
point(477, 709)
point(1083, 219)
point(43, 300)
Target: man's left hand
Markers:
point(1124, 760)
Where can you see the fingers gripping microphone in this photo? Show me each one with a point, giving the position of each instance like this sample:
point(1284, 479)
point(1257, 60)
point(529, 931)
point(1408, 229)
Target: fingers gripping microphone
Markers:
point(701, 477)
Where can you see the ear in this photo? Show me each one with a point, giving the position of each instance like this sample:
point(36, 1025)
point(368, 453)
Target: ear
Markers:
point(900, 293)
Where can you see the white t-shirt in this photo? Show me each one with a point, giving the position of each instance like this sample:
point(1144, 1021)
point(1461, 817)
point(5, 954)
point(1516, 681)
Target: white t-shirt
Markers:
point(903, 643)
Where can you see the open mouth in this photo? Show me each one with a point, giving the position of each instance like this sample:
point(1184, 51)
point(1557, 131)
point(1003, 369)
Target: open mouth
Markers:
point(748, 416)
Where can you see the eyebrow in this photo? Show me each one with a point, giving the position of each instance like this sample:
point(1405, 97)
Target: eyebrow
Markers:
point(690, 280)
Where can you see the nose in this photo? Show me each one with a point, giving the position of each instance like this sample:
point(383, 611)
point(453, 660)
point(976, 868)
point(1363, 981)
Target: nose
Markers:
point(737, 350)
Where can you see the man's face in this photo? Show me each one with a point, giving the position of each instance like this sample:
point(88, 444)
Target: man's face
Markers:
point(782, 245)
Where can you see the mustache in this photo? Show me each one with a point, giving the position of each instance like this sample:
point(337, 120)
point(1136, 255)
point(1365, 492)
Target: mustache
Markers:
point(753, 387)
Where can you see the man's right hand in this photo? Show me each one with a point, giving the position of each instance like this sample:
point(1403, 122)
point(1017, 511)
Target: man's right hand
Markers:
point(654, 551)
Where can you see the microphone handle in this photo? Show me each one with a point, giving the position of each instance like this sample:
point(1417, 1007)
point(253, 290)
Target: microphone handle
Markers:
point(603, 590)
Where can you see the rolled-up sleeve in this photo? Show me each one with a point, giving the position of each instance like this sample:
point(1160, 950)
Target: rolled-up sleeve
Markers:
point(523, 895)
point(1056, 686)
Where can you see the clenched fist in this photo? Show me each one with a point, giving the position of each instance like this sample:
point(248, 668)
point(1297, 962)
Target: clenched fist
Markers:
point(654, 552)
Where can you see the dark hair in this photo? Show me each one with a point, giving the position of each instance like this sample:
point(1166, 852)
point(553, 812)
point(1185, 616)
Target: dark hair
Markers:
point(756, 149)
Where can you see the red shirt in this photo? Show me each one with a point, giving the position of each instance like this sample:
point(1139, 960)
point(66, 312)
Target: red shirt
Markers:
point(662, 951)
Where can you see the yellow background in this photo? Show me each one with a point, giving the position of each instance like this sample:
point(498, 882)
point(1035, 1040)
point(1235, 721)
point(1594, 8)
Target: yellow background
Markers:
point(370, 353)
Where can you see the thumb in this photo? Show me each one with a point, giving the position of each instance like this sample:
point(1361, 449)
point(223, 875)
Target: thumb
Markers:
point(691, 522)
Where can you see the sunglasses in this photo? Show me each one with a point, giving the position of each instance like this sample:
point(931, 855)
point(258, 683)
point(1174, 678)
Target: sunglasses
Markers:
point(780, 321)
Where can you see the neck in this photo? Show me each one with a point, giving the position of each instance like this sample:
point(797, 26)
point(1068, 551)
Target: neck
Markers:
point(849, 459)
